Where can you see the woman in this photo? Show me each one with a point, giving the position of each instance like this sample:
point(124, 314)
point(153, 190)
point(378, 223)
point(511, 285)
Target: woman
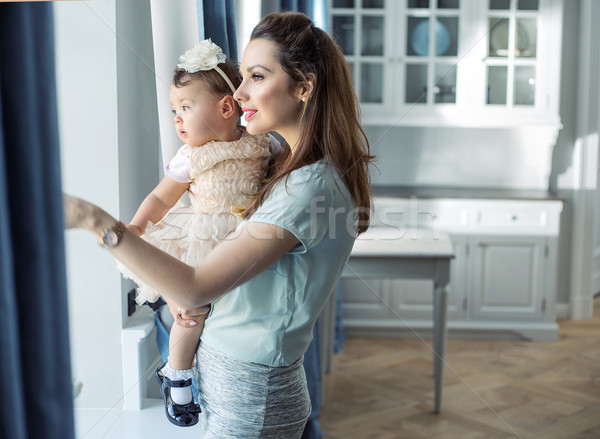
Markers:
point(270, 279)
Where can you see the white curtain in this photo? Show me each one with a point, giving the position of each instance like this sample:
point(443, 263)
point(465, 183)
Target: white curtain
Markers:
point(174, 30)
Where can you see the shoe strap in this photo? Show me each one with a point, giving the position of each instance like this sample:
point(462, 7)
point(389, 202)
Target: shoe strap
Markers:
point(177, 383)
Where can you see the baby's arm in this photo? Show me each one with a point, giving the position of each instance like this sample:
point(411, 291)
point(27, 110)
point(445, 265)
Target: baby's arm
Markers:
point(157, 204)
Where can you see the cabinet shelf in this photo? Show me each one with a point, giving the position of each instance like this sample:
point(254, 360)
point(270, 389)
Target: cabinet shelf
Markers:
point(476, 64)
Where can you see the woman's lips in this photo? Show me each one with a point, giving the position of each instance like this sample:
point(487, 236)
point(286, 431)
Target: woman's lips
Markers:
point(248, 113)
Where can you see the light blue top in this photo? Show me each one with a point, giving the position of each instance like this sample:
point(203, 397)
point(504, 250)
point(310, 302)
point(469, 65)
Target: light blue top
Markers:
point(269, 319)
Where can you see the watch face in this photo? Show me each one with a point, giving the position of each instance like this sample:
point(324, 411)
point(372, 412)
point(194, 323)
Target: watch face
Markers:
point(110, 238)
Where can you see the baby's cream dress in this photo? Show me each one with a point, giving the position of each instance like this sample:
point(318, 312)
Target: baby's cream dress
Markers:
point(223, 177)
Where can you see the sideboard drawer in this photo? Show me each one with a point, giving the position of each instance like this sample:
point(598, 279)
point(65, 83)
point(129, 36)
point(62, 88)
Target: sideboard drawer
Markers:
point(512, 218)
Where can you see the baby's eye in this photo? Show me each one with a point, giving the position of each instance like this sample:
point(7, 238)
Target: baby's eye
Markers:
point(185, 108)
point(174, 112)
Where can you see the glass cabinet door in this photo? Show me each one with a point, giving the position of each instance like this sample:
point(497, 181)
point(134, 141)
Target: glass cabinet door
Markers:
point(432, 31)
point(512, 52)
point(452, 62)
point(359, 28)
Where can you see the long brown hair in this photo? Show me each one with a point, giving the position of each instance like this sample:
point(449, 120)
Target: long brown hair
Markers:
point(330, 124)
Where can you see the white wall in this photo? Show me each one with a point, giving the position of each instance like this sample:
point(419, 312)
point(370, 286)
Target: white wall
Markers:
point(583, 172)
point(562, 157)
point(462, 157)
point(109, 151)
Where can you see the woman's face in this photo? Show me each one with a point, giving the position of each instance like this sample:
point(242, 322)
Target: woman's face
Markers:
point(265, 95)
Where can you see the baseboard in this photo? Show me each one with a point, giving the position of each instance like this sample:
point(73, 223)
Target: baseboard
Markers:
point(488, 330)
point(563, 311)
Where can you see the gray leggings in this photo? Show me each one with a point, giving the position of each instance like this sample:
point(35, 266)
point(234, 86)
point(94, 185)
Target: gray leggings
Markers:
point(248, 400)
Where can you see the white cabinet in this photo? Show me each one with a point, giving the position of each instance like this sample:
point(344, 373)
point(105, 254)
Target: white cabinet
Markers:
point(453, 62)
point(367, 298)
point(506, 279)
point(503, 277)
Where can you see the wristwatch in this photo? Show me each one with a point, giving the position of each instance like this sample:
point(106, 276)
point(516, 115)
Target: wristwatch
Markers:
point(111, 236)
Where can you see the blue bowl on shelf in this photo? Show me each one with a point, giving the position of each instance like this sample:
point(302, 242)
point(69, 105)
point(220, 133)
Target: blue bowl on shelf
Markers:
point(419, 38)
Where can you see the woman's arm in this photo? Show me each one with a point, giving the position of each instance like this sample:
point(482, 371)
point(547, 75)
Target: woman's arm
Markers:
point(241, 256)
point(157, 204)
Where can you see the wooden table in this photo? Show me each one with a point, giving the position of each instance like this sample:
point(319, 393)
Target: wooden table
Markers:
point(412, 254)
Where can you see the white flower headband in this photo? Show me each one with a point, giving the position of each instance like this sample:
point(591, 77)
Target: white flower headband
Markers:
point(205, 55)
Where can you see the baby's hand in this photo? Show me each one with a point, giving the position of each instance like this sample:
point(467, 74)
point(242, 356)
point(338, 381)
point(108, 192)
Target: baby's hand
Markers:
point(135, 229)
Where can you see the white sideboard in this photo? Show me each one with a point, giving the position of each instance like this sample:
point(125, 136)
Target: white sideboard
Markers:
point(503, 277)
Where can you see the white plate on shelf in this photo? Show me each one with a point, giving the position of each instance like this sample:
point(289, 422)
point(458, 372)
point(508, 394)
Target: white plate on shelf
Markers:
point(499, 40)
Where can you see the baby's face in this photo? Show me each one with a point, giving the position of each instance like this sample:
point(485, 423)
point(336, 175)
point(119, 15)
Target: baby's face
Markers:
point(194, 113)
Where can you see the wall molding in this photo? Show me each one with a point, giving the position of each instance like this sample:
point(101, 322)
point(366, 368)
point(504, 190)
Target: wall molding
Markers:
point(582, 247)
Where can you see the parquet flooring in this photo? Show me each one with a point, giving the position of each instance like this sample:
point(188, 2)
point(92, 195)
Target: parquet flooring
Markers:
point(383, 388)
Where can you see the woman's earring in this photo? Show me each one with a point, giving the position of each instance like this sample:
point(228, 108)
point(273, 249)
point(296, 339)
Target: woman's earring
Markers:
point(303, 99)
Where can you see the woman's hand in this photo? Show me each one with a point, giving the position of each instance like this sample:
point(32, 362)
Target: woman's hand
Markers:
point(82, 214)
point(78, 213)
point(186, 317)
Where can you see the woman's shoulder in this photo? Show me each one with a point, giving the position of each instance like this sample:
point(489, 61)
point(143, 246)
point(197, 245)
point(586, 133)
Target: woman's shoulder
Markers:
point(320, 170)
point(310, 180)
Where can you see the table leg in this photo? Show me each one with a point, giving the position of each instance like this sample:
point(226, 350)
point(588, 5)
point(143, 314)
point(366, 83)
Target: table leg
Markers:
point(440, 305)
point(327, 340)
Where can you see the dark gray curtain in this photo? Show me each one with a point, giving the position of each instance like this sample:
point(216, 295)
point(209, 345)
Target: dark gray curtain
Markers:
point(305, 6)
point(219, 25)
point(35, 371)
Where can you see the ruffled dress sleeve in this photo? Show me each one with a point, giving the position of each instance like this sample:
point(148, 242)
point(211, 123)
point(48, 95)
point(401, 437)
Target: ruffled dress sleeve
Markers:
point(180, 166)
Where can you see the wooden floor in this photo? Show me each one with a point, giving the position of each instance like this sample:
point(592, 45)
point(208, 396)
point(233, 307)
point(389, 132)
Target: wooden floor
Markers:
point(383, 388)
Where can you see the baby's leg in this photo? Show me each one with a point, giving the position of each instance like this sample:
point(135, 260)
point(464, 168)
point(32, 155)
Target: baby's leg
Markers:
point(183, 343)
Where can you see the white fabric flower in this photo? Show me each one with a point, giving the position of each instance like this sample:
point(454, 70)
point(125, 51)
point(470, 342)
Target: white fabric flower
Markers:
point(205, 55)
